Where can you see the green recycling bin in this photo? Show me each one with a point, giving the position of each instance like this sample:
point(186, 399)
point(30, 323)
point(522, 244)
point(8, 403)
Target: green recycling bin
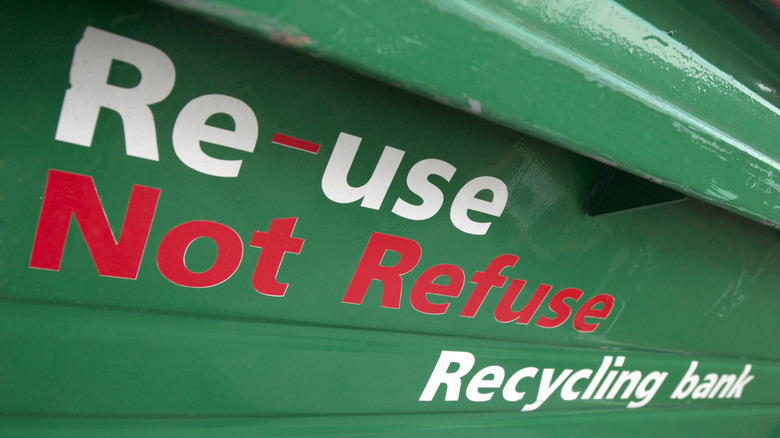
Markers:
point(408, 218)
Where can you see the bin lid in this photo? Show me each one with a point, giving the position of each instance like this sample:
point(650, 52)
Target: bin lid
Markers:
point(682, 93)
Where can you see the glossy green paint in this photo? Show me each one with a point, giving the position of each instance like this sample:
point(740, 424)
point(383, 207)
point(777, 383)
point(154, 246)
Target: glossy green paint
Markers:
point(85, 355)
point(684, 94)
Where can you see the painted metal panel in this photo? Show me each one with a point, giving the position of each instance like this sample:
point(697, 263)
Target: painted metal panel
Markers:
point(687, 98)
point(339, 323)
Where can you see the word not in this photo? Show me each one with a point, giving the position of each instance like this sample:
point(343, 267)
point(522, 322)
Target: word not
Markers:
point(70, 195)
point(582, 384)
point(370, 269)
point(90, 91)
point(728, 384)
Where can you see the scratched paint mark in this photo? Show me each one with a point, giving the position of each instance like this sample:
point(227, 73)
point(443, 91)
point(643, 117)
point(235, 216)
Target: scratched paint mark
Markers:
point(289, 39)
point(475, 106)
point(656, 38)
point(720, 193)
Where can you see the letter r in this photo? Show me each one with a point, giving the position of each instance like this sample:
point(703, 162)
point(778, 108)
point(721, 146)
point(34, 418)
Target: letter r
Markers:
point(370, 269)
point(89, 91)
point(464, 359)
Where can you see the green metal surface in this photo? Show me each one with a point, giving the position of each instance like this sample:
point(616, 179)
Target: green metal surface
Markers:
point(687, 97)
point(84, 354)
